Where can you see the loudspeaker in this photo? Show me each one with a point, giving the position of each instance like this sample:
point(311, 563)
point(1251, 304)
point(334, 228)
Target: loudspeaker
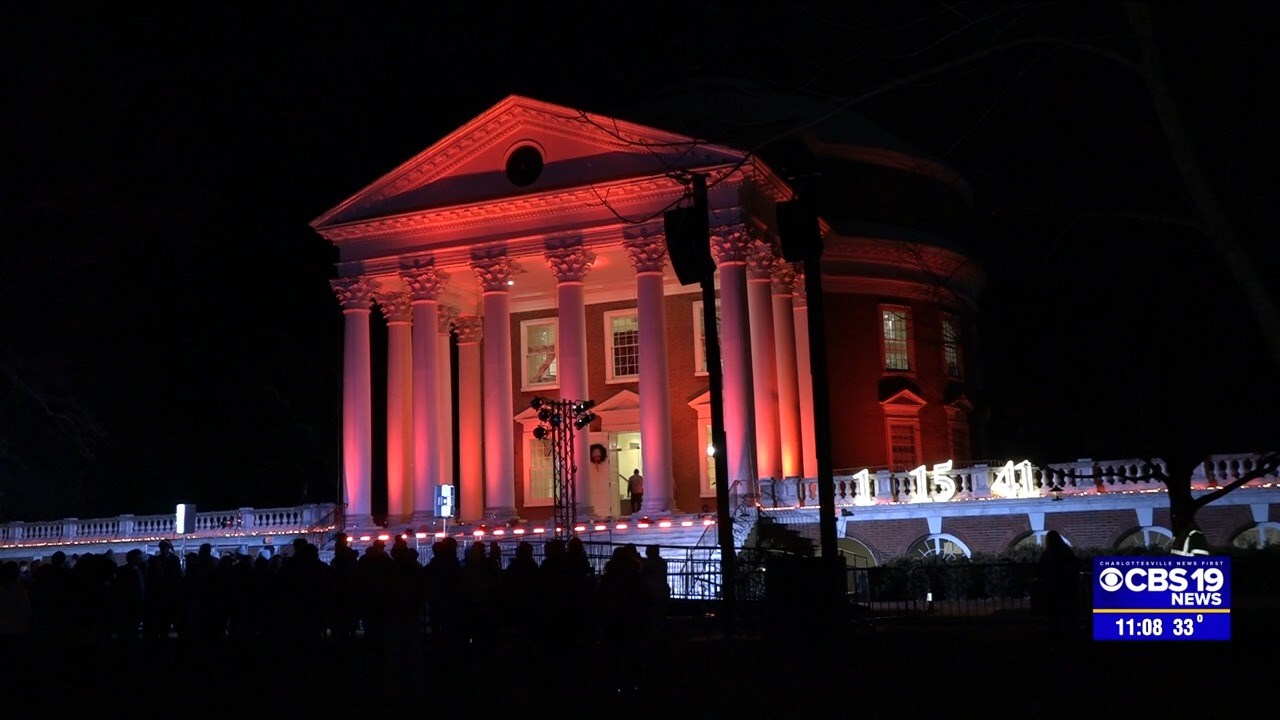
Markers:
point(798, 231)
point(689, 244)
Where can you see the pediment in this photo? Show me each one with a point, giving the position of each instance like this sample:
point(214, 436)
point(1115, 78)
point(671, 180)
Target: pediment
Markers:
point(621, 400)
point(577, 149)
point(904, 402)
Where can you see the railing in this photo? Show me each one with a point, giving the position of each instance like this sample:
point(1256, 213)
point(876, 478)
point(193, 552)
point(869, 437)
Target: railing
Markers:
point(878, 486)
point(218, 523)
point(988, 479)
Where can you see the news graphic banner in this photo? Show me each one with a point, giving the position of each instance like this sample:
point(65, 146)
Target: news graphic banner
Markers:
point(1162, 598)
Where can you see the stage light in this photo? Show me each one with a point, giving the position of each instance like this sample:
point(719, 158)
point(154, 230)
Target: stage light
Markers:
point(620, 526)
point(539, 433)
point(601, 526)
point(686, 523)
point(664, 523)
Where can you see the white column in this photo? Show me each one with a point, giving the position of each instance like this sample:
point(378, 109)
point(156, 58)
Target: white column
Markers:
point(730, 246)
point(570, 266)
point(764, 360)
point(443, 411)
point(648, 257)
point(494, 275)
point(470, 420)
point(804, 376)
point(788, 391)
point(355, 295)
point(424, 286)
point(399, 313)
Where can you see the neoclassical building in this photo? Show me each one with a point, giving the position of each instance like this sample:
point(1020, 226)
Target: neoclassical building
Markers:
point(524, 255)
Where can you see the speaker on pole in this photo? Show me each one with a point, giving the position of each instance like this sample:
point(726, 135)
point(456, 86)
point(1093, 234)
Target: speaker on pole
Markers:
point(689, 237)
point(798, 230)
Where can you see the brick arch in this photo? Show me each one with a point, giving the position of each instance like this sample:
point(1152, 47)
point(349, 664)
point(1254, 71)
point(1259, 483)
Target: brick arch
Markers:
point(988, 534)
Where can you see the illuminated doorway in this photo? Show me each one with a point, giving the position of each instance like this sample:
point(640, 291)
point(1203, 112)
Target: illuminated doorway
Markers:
point(625, 458)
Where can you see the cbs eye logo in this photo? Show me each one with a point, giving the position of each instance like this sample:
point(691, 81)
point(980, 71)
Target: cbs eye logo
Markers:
point(1111, 579)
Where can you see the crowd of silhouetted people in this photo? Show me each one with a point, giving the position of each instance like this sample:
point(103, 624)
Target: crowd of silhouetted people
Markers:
point(387, 605)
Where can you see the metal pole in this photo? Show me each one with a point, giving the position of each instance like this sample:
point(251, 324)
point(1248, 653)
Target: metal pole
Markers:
point(821, 413)
point(724, 516)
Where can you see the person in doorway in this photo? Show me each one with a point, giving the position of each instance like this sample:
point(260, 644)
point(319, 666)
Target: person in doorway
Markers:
point(635, 490)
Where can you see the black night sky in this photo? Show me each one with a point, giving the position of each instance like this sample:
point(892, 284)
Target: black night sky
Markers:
point(169, 334)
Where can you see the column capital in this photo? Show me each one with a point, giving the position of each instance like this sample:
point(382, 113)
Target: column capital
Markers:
point(570, 264)
point(761, 260)
point(354, 293)
point(784, 279)
point(396, 307)
point(424, 283)
point(446, 315)
point(495, 273)
point(470, 328)
point(648, 253)
point(730, 244)
point(800, 295)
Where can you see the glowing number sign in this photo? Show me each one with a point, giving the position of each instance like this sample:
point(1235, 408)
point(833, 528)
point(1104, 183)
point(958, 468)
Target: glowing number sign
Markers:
point(1014, 481)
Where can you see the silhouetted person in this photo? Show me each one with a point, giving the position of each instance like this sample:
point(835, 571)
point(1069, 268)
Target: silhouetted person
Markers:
point(477, 595)
point(129, 591)
point(1058, 573)
point(406, 595)
point(441, 576)
point(623, 608)
point(52, 599)
point(344, 608)
point(519, 591)
point(373, 572)
point(655, 579)
point(198, 619)
point(164, 593)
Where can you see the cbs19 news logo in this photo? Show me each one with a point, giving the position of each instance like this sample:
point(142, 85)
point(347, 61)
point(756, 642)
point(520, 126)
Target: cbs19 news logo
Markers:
point(1191, 587)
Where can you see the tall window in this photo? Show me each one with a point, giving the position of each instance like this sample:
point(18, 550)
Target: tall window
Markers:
point(951, 354)
point(540, 490)
point(896, 334)
point(700, 341)
point(538, 348)
point(904, 444)
point(622, 356)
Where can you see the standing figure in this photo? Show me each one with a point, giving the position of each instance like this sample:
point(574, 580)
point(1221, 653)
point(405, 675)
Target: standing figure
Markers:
point(635, 488)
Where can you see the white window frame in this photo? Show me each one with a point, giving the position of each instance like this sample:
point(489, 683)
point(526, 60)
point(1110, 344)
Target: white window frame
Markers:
point(907, 422)
point(609, 377)
point(536, 451)
point(700, 338)
point(524, 353)
point(910, 341)
point(957, 345)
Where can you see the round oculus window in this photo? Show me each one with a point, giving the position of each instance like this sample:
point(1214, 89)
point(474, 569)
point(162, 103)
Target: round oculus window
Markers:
point(524, 165)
